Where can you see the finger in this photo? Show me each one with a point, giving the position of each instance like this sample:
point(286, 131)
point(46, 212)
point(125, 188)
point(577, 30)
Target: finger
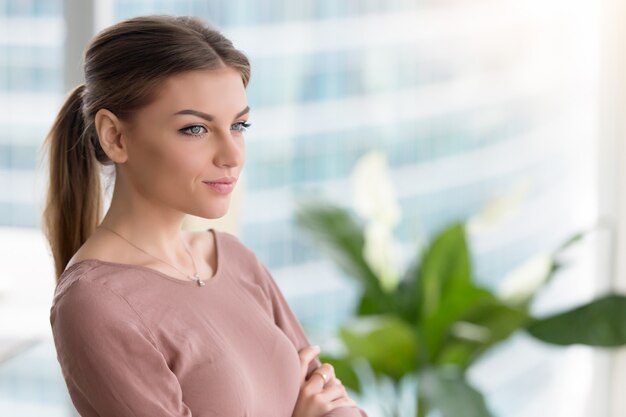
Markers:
point(315, 383)
point(330, 373)
point(334, 381)
point(343, 402)
point(333, 393)
point(306, 355)
point(309, 362)
point(318, 376)
point(327, 369)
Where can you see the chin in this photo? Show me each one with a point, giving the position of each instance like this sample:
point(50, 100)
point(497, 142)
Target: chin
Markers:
point(214, 213)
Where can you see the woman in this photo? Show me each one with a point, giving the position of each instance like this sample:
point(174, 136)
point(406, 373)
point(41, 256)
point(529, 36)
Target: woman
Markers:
point(148, 319)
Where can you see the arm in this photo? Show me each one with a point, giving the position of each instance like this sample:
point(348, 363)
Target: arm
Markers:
point(109, 359)
point(286, 319)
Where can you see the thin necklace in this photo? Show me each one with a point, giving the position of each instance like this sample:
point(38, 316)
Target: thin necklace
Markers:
point(196, 276)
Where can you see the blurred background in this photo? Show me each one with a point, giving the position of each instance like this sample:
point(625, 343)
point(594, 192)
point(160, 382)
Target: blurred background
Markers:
point(477, 105)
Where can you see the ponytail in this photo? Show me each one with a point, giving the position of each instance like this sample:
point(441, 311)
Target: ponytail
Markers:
point(73, 201)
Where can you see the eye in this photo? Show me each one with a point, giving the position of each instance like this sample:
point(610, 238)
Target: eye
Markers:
point(194, 130)
point(242, 126)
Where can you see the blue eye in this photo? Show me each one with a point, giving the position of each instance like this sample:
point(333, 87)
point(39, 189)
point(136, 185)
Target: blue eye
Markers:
point(244, 126)
point(194, 130)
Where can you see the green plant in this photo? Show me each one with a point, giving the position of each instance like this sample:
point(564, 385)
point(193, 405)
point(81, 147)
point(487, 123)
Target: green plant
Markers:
point(435, 321)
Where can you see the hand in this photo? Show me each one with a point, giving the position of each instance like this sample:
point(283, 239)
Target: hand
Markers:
point(316, 397)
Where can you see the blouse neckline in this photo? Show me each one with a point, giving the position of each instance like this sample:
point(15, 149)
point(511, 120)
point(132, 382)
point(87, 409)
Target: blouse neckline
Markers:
point(216, 275)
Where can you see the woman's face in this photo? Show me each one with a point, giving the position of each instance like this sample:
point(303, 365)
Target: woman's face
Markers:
point(192, 133)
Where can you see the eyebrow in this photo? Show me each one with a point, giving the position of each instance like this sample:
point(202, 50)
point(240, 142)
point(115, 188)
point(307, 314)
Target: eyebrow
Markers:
point(206, 116)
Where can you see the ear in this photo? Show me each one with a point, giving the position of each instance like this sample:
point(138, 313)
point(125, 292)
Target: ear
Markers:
point(109, 129)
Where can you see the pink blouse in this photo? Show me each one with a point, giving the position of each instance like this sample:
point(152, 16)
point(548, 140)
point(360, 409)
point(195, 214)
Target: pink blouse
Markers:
point(134, 342)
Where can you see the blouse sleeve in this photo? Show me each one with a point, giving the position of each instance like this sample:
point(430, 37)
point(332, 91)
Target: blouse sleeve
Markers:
point(109, 359)
point(286, 319)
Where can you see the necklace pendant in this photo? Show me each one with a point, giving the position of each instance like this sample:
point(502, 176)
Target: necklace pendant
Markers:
point(198, 280)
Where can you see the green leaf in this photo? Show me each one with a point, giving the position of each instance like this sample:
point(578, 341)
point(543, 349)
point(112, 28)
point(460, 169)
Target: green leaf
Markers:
point(457, 352)
point(570, 241)
point(447, 391)
point(601, 322)
point(445, 266)
point(344, 371)
point(455, 304)
point(338, 235)
point(481, 328)
point(405, 294)
point(387, 342)
point(368, 306)
point(556, 266)
point(444, 288)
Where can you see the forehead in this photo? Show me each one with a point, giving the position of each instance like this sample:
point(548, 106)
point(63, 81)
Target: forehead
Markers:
point(219, 92)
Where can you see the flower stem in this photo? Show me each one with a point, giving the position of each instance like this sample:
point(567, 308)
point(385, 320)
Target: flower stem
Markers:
point(422, 406)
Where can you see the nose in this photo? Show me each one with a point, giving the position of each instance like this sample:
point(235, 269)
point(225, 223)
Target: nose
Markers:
point(230, 149)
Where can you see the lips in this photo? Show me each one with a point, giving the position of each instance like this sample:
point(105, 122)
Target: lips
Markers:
point(220, 187)
point(223, 180)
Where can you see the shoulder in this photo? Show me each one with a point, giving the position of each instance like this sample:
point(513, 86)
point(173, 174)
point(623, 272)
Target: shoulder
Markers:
point(234, 250)
point(81, 290)
point(87, 292)
point(240, 259)
point(85, 308)
point(77, 272)
point(88, 318)
point(204, 241)
point(85, 301)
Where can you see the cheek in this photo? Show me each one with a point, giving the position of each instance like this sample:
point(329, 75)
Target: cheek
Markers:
point(164, 166)
point(178, 167)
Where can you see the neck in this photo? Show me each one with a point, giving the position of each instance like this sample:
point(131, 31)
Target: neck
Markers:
point(154, 229)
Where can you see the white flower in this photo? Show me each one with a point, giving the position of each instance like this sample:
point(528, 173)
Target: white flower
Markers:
point(373, 191)
point(525, 280)
point(501, 207)
point(375, 201)
point(381, 254)
point(470, 331)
